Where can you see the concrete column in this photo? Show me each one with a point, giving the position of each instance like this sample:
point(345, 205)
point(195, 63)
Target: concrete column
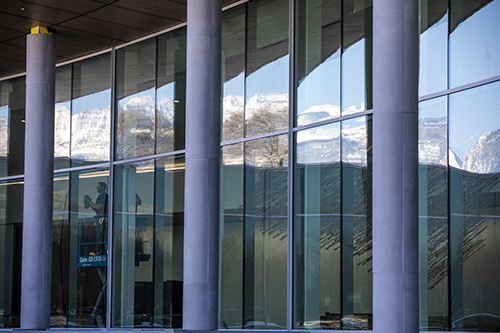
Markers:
point(201, 216)
point(38, 182)
point(395, 166)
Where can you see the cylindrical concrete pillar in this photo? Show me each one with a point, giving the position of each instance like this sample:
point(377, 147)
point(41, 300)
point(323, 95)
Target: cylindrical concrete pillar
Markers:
point(201, 216)
point(38, 181)
point(395, 166)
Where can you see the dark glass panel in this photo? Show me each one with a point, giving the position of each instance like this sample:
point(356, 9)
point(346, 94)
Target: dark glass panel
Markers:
point(135, 105)
point(433, 46)
point(317, 60)
point(356, 239)
point(356, 56)
point(433, 214)
point(90, 111)
point(11, 234)
point(171, 92)
point(232, 226)
point(233, 67)
point(60, 246)
point(474, 132)
point(267, 66)
point(88, 245)
point(317, 265)
point(168, 242)
point(265, 233)
point(474, 47)
point(62, 121)
point(12, 125)
point(133, 243)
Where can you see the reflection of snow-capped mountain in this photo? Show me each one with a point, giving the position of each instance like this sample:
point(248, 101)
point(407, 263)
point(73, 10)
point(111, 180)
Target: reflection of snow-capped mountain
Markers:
point(432, 141)
point(354, 144)
point(4, 136)
point(62, 131)
point(324, 145)
point(165, 111)
point(273, 104)
point(90, 135)
point(318, 113)
point(232, 105)
point(484, 156)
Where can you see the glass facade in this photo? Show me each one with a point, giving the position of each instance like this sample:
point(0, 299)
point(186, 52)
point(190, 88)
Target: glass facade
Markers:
point(296, 174)
point(458, 171)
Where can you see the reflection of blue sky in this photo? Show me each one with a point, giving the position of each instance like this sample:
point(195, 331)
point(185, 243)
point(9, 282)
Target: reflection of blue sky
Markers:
point(473, 113)
point(165, 91)
point(475, 46)
point(234, 86)
point(321, 86)
point(433, 58)
point(270, 79)
point(98, 100)
point(353, 75)
point(433, 108)
point(4, 111)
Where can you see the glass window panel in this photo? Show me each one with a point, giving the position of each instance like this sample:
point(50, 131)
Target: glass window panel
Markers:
point(474, 178)
point(267, 65)
point(475, 129)
point(433, 46)
point(433, 213)
point(474, 47)
point(135, 114)
point(317, 259)
point(88, 247)
point(62, 125)
point(232, 226)
point(356, 224)
point(12, 124)
point(356, 56)
point(60, 253)
point(168, 242)
point(265, 233)
point(317, 63)
point(254, 267)
point(171, 92)
point(233, 66)
point(133, 245)
point(90, 110)
point(11, 234)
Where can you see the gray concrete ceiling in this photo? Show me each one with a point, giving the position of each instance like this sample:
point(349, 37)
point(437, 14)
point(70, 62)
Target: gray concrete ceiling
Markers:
point(82, 27)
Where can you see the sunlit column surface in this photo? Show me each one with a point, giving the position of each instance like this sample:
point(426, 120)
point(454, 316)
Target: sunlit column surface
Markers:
point(39, 167)
point(395, 166)
point(201, 233)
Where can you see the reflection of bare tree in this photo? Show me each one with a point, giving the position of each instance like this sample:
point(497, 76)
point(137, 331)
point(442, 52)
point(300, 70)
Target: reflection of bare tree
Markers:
point(233, 126)
point(269, 117)
point(267, 153)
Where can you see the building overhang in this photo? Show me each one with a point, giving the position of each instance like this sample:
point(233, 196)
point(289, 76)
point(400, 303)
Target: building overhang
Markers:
point(82, 27)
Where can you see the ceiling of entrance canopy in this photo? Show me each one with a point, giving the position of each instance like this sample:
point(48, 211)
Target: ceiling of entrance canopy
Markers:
point(82, 27)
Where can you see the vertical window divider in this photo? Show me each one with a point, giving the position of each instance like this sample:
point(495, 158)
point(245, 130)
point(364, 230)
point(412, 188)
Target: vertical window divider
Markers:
point(291, 162)
point(111, 208)
point(448, 178)
point(70, 113)
point(341, 291)
point(153, 270)
point(243, 282)
point(448, 199)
